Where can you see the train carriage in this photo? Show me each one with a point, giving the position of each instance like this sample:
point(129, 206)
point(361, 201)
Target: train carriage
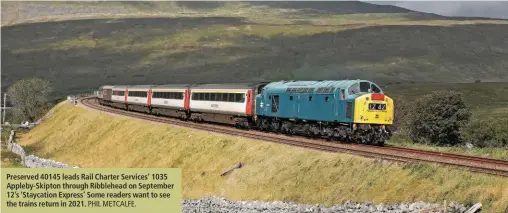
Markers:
point(171, 100)
point(223, 103)
point(118, 94)
point(138, 98)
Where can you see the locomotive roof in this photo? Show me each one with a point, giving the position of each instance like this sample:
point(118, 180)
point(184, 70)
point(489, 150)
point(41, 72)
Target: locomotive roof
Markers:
point(313, 84)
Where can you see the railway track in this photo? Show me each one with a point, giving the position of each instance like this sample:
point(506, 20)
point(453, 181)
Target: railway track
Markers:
point(398, 154)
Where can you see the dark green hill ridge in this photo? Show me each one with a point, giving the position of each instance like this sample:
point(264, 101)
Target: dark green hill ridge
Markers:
point(257, 41)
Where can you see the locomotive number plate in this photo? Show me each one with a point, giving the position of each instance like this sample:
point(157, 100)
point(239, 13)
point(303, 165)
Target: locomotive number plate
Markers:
point(373, 106)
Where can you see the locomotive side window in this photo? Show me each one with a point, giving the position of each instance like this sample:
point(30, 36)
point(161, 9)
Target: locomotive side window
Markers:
point(327, 99)
point(290, 98)
point(310, 98)
point(353, 89)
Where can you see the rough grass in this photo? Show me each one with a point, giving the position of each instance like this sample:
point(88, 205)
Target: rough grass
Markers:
point(186, 42)
point(259, 12)
point(10, 160)
point(402, 141)
point(272, 172)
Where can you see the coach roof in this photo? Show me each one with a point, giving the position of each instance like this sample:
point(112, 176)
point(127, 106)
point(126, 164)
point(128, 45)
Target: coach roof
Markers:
point(171, 86)
point(224, 86)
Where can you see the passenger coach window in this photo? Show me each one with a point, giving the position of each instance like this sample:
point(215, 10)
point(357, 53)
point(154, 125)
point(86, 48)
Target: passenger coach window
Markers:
point(238, 97)
point(138, 94)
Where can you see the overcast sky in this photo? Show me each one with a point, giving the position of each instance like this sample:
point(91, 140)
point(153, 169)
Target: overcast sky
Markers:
point(490, 9)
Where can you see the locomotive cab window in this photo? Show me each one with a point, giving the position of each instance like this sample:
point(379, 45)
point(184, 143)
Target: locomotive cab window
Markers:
point(364, 86)
point(375, 89)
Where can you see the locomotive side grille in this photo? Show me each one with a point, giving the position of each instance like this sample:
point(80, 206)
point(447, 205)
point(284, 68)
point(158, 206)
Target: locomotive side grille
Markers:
point(349, 110)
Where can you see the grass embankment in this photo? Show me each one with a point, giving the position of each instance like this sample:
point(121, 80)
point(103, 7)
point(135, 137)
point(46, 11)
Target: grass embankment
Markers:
point(272, 172)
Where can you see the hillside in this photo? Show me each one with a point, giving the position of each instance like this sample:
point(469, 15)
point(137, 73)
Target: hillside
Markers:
point(486, 100)
point(188, 42)
point(87, 138)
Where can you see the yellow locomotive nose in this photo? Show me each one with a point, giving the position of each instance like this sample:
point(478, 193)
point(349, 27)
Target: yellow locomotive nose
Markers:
point(374, 108)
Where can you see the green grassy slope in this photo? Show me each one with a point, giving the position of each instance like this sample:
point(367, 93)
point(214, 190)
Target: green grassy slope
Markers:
point(233, 42)
point(87, 138)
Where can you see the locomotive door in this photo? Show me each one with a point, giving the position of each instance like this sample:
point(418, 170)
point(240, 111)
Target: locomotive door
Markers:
point(298, 104)
point(275, 103)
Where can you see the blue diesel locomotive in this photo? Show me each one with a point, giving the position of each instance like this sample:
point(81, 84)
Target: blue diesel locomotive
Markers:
point(355, 110)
